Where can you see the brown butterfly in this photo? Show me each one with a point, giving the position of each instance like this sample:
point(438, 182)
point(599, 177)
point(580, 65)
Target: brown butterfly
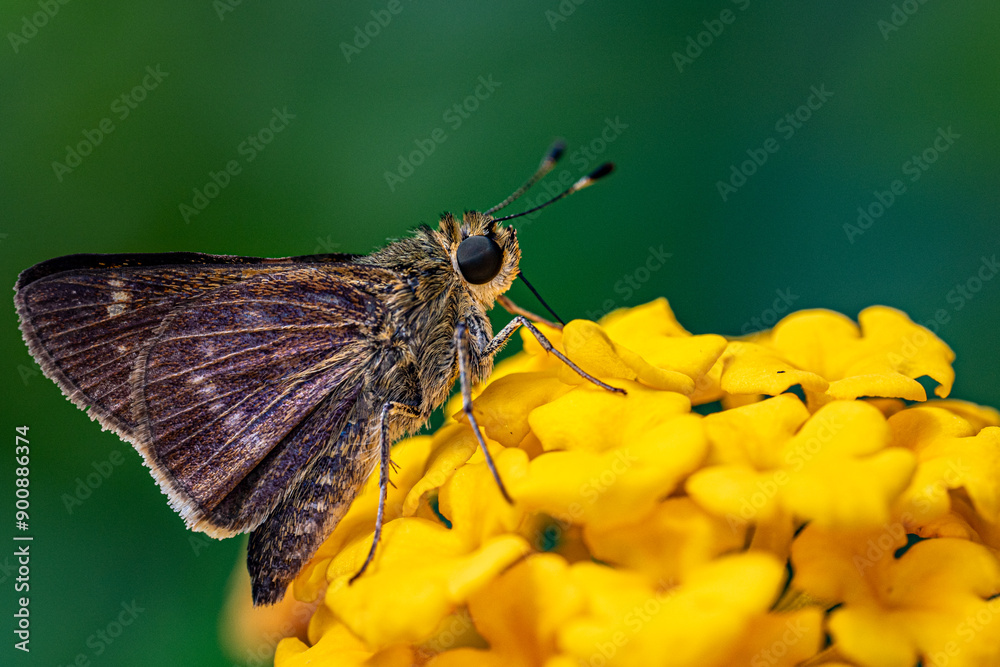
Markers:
point(261, 393)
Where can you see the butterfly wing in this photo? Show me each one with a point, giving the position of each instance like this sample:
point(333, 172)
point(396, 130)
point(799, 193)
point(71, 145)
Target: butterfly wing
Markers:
point(229, 375)
point(233, 373)
point(85, 318)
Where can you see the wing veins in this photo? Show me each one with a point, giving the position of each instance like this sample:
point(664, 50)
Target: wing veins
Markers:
point(215, 360)
point(226, 332)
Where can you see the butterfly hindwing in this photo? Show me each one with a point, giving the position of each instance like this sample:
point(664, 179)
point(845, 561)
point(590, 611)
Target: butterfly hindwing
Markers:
point(233, 373)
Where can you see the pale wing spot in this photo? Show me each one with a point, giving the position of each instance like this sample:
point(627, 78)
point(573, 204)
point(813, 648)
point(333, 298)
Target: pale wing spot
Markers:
point(119, 298)
point(235, 420)
point(115, 283)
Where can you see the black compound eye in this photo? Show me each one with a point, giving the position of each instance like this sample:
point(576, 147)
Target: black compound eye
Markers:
point(479, 259)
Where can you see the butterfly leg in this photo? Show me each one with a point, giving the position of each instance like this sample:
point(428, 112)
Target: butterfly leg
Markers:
point(462, 344)
point(502, 337)
point(383, 482)
point(515, 309)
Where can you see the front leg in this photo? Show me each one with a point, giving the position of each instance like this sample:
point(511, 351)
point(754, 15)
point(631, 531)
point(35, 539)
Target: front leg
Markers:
point(498, 341)
point(504, 335)
point(465, 382)
point(515, 309)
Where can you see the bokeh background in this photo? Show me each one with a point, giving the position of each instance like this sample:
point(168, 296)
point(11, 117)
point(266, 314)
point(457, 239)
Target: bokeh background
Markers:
point(676, 93)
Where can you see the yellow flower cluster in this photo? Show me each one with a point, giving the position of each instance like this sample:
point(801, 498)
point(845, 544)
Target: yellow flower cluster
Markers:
point(815, 509)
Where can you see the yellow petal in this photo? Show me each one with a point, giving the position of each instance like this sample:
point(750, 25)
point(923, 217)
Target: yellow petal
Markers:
point(521, 611)
point(337, 646)
point(668, 543)
point(420, 574)
point(503, 407)
point(850, 493)
point(410, 456)
point(837, 565)
point(912, 349)
point(838, 429)
point(929, 604)
point(877, 384)
point(821, 341)
point(695, 623)
point(462, 657)
point(594, 419)
point(738, 493)
point(452, 446)
point(781, 640)
point(979, 416)
point(749, 368)
point(755, 434)
point(837, 475)
point(950, 457)
point(632, 325)
point(472, 500)
point(617, 485)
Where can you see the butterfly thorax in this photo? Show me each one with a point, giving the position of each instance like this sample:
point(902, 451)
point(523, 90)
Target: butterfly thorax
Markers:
point(429, 295)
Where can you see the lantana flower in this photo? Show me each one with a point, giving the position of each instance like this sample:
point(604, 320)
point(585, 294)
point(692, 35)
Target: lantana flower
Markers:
point(785, 498)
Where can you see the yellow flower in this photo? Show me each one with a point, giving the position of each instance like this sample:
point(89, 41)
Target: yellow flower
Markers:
point(833, 358)
point(846, 528)
point(931, 603)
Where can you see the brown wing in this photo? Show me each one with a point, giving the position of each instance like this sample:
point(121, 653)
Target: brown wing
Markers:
point(85, 318)
point(233, 373)
point(228, 374)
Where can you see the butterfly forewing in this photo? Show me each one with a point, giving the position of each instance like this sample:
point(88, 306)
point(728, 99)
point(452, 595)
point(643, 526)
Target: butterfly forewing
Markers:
point(87, 317)
point(227, 373)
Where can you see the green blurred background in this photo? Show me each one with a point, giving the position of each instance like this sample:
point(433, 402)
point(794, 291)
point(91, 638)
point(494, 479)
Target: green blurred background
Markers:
point(577, 70)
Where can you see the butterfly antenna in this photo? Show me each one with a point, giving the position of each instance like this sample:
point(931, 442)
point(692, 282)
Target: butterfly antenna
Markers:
point(584, 182)
point(540, 299)
point(551, 157)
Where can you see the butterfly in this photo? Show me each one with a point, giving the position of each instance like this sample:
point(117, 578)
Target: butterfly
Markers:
point(262, 393)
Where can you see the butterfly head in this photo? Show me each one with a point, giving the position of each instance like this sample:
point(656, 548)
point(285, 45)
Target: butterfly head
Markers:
point(485, 256)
